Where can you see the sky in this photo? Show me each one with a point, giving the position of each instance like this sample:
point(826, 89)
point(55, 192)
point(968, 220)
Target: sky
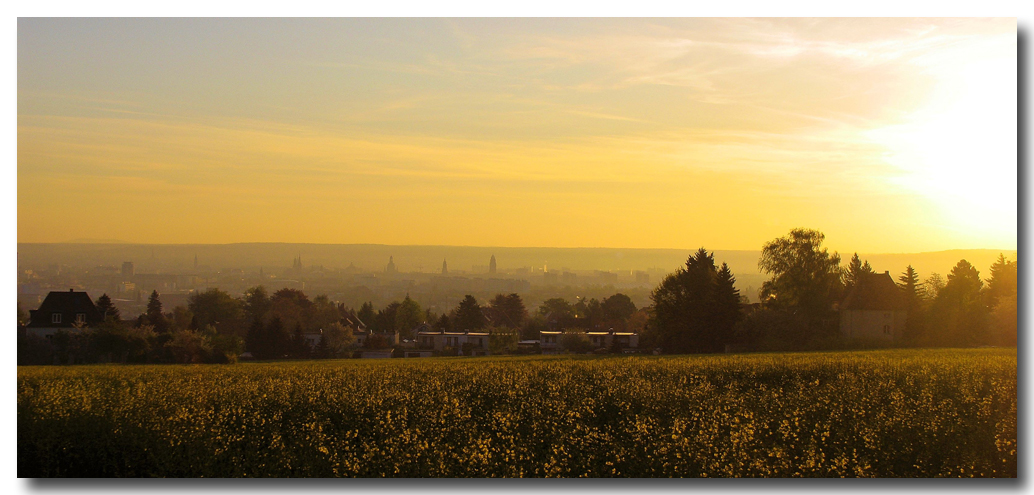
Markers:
point(888, 135)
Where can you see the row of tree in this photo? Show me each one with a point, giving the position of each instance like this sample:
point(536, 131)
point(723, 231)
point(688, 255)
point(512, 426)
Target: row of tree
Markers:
point(698, 309)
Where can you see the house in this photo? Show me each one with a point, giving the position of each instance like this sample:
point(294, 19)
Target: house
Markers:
point(441, 341)
point(609, 339)
point(549, 340)
point(874, 309)
point(363, 335)
point(63, 311)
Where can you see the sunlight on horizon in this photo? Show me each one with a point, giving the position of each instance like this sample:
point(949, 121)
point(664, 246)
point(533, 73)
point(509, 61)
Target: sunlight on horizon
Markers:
point(960, 149)
point(889, 135)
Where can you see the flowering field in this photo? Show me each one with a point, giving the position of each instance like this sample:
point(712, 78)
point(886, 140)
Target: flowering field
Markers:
point(887, 413)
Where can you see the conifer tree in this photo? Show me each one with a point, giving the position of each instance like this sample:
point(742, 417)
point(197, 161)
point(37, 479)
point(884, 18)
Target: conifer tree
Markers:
point(696, 307)
point(856, 269)
point(155, 316)
point(469, 315)
point(912, 289)
point(108, 309)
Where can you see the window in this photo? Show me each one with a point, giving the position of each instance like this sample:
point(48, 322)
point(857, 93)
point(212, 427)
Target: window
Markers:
point(886, 329)
point(80, 317)
point(55, 317)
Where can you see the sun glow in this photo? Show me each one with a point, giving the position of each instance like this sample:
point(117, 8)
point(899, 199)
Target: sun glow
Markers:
point(960, 149)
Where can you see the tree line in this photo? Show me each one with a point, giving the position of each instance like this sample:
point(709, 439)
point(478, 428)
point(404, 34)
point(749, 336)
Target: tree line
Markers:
point(215, 327)
point(698, 308)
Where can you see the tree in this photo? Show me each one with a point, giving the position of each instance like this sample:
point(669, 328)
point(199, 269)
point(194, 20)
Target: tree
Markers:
point(855, 271)
point(693, 309)
point(958, 316)
point(338, 339)
point(188, 346)
point(183, 319)
point(1000, 298)
point(912, 289)
point(593, 313)
point(385, 319)
point(508, 310)
point(1003, 281)
point(557, 312)
point(214, 306)
point(469, 315)
point(616, 310)
point(293, 308)
point(408, 316)
point(324, 312)
point(502, 340)
point(727, 303)
point(366, 313)
point(299, 345)
point(224, 348)
point(111, 341)
point(255, 303)
point(106, 308)
point(155, 317)
point(575, 342)
point(322, 350)
point(934, 283)
point(269, 341)
point(806, 279)
point(443, 324)
point(377, 341)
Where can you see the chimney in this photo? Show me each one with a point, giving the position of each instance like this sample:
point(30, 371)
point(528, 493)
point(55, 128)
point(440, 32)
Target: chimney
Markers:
point(71, 290)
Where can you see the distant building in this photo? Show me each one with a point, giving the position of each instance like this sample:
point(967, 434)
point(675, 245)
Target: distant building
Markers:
point(430, 339)
point(63, 311)
point(642, 277)
point(445, 268)
point(491, 265)
point(606, 276)
point(390, 269)
point(874, 309)
point(127, 270)
point(610, 338)
point(549, 340)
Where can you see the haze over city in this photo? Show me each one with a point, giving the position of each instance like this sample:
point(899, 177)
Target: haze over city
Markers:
point(888, 135)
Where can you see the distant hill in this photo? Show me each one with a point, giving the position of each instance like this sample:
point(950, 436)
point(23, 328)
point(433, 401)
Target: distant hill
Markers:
point(95, 241)
point(149, 258)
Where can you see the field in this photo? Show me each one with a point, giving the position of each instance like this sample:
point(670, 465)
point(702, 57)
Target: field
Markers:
point(927, 413)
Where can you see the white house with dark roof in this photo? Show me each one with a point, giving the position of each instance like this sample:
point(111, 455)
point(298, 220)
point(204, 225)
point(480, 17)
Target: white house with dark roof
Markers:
point(874, 309)
point(66, 311)
point(428, 338)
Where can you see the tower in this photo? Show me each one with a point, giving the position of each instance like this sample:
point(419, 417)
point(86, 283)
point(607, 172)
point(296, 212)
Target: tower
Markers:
point(491, 265)
point(195, 261)
point(445, 268)
point(391, 265)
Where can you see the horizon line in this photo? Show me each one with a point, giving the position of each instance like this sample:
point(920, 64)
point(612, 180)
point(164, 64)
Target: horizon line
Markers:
point(128, 243)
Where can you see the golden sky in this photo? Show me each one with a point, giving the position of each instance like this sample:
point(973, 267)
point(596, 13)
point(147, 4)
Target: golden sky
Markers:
point(889, 135)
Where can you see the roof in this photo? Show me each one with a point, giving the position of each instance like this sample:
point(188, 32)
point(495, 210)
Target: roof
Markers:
point(439, 332)
point(875, 291)
point(68, 304)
